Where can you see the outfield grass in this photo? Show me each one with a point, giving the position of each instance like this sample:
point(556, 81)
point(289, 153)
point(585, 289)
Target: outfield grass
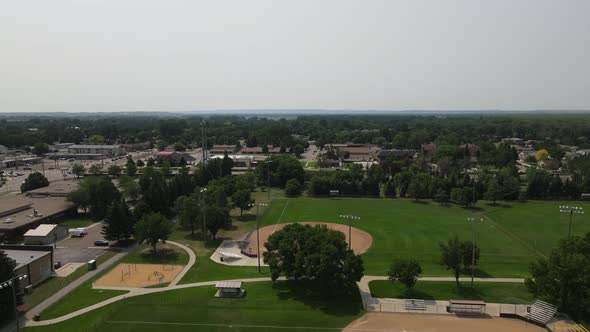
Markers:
point(265, 307)
point(493, 292)
point(511, 236)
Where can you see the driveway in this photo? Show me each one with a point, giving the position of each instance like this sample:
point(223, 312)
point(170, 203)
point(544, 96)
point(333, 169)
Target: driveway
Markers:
point(79, 250)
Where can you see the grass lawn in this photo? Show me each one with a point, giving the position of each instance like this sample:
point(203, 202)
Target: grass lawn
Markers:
point(264, 308)
point(510, 238)
point(77, 222)
point(166, 254)
point(54, 284)
point(493, 292)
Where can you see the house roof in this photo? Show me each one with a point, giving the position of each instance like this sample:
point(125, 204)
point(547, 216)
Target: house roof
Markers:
point(228, 284)
point(88, 146)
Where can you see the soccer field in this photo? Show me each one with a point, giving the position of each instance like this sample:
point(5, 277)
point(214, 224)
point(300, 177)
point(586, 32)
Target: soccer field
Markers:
point(510, 237)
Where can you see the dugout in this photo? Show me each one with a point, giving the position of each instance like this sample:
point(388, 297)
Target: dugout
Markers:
point(229, 289)
point(467, 307)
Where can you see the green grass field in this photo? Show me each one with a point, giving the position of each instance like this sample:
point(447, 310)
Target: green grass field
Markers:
point(493, 292)
point(77, 222)
point(265, 307)
point(510, 238)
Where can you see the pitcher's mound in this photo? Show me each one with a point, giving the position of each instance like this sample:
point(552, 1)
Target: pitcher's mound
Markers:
point(139, 275)
point(361, 240)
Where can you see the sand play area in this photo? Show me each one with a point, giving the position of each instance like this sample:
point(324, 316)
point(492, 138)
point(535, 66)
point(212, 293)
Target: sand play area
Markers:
point(139, 275)
point(378, 321)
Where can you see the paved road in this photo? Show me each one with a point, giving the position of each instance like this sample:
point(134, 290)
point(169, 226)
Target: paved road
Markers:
point(79, 249)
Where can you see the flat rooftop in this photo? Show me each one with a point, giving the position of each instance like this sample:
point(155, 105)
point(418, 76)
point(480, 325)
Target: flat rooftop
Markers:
point(25, 257)
point(41, 230)
point(12, 204)
point(45, 206)
point(57, 188)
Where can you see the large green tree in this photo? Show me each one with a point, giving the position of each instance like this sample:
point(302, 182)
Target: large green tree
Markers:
point(405, 270)
point(242, 199)
point(153, 228)
point(78, 170)
point(34, 181)
point(189, 211)
point(96, 193)
point(564, 277)
point(313, 252)
point(456, 255)
point(40, 148)
point(119, 222)
point(130, 167)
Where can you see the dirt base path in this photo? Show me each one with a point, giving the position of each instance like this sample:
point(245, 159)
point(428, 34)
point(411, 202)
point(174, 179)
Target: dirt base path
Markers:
point(377, 321)
point(361, 240)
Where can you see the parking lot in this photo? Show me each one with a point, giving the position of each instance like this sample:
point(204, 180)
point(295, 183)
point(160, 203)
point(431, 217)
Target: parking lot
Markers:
point(79, 250)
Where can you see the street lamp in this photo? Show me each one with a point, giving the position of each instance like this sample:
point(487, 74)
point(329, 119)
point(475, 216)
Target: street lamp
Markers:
point(570, 209)
point(257, 231)
point(350, 218)
point(474, 221)
point(268, 177)
point(10, 283)
point(202, 191)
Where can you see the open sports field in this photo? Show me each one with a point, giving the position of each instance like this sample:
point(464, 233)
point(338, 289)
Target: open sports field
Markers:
point(510, 237)
point(281, 306)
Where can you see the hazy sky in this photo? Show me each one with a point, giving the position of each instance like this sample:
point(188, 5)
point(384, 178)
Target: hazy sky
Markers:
point(173, 55)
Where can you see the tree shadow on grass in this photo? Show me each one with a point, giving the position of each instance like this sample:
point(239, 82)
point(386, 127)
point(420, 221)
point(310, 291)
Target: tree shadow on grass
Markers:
point(423, 202)
point(501, 205)
point(246, 217)
point(412, 293)
point(316, 297)
point(162, 256)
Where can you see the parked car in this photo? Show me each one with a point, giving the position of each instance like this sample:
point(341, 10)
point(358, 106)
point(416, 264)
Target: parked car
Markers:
point(101, 243)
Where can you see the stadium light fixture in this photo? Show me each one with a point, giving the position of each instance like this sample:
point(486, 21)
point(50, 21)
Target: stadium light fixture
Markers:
point(473, 221)
point(257, 231)
point(11, 283)
point(571, 210)
point(350, 218)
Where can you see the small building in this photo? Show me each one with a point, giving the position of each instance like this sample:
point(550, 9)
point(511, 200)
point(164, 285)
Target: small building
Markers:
point(259, 150)
point(45, 234)
point(34, 261)
point(513, 141)
point(3, 149)
point(223, 149)
point(470, 151)
point(107, 150)
point(467, 307)
point(229, 289)
point(428, 150)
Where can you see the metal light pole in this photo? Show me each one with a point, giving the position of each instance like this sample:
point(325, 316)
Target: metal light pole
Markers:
point(258, 232)
point(10, 283)
point(202, 191)
point(570, 209)
point(268, 178)
point(474, 221)
point(350, 218)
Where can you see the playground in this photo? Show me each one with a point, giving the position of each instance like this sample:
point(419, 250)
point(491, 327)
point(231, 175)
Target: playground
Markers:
point(139, 275)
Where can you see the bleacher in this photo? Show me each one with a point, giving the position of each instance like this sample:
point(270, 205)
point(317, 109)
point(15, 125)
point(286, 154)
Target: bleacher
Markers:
point(414, 304)
point(542, 312)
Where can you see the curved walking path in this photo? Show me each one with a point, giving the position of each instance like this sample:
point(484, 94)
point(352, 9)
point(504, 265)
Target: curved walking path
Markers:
point(363, 287)
point(192, 258)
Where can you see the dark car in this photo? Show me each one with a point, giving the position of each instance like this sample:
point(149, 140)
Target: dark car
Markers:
point(101, 243)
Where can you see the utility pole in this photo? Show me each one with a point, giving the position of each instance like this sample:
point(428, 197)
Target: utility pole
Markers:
point(570, 209)
point(203, 142)
point(268, 178)
point(258, 232)
point(11, 283)
point(202, 191)
point(474, 221)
